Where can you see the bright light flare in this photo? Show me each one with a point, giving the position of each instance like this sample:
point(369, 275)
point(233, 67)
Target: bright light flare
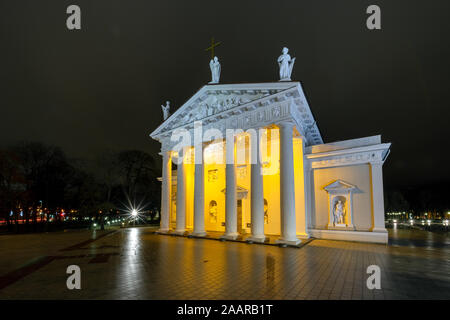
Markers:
point(133, 212)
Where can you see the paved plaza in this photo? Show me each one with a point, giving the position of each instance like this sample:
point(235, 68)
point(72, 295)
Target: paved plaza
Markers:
point(136, 263)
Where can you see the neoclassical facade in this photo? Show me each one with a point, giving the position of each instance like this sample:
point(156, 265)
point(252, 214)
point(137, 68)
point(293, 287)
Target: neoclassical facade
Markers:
point(255, 165)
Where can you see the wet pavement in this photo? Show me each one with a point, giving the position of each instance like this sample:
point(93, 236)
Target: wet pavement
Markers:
point(136, 263)
point(418, 238)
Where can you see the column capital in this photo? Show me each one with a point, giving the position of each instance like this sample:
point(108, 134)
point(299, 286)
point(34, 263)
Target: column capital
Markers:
point(287, 124)
point(165, 152)
point(230, 134)
point(257, 127)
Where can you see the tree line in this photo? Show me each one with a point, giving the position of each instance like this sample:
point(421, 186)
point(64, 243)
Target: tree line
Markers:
point(418, 200)
point(35, 175)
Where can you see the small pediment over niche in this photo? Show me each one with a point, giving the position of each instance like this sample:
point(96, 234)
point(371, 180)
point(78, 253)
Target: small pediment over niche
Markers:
point(241, 192)
point(339, 185)
point(340, 197)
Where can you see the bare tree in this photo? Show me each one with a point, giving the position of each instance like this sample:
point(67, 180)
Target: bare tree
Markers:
point(138, 174)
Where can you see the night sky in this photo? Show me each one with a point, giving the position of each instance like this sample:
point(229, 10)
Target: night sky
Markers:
point(101, 87)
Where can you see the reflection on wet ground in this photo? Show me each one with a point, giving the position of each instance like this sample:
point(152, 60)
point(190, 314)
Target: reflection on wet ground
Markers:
point(135, 263)
point(418, 238)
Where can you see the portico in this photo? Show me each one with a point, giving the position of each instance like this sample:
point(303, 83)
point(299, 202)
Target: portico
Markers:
point(244, 129)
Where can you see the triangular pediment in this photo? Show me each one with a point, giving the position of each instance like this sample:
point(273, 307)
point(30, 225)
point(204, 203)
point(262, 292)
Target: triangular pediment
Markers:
point(339, 185)
point(216, 103)
point(241, 192)
point(239, 189)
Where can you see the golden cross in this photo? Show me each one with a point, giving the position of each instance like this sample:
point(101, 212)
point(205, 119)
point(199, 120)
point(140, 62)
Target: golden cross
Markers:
point(213, 44)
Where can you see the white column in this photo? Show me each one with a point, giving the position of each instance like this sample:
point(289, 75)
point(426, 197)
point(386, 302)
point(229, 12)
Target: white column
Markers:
point(165, 191)
point(287, 185)
point(308, 191)
point(199, 193)
point(230, 195)
point(376, 171)
point(256, 191)
point(181, 195)
point(350, 207)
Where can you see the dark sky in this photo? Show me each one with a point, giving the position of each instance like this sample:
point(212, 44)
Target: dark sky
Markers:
point(102, 87)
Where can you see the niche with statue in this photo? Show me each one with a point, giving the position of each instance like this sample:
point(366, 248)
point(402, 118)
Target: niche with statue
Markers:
point(340, 196)
point(212, 211)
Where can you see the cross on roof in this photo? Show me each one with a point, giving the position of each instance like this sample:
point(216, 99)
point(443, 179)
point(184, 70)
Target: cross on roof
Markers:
point(213, 45)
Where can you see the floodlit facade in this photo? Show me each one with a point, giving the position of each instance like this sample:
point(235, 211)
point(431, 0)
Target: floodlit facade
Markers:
point(272, 175)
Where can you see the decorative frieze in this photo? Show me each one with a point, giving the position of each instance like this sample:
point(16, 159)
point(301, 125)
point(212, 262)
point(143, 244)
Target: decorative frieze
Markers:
point(348, 158)
point(244, 109)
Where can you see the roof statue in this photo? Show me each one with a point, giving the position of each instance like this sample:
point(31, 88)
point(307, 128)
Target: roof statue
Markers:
point(214, 65)
point(286, 65)
point(166, 110)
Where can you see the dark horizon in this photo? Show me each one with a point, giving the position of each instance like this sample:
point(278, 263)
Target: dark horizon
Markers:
point(101, 87)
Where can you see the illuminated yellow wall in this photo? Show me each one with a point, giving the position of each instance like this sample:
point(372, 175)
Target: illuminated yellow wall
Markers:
point(357, 175)
point(271, 162)
point(271, 180)
point(214, 184)
point(189, 185)
point(243, 178)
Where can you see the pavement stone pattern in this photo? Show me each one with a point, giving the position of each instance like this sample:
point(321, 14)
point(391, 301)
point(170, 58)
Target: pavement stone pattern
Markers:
point(136, 263)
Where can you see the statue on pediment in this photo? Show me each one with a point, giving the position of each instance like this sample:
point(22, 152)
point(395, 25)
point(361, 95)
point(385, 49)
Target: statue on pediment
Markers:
point(166, 110)
point(286, 65)
point(188, 117)
point(214, 65)
point(203, 110)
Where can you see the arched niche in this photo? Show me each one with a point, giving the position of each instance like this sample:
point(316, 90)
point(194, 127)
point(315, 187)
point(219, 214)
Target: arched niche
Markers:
point(340, 207)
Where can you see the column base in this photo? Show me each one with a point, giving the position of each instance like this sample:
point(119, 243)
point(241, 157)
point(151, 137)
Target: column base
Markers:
point(288, 242)
point(201, 234)
point(163, 230)
point(303, 236)
point(230, 236)
point(360, 236)
point(180, 232)
point(257, 239)
point(380, 230)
